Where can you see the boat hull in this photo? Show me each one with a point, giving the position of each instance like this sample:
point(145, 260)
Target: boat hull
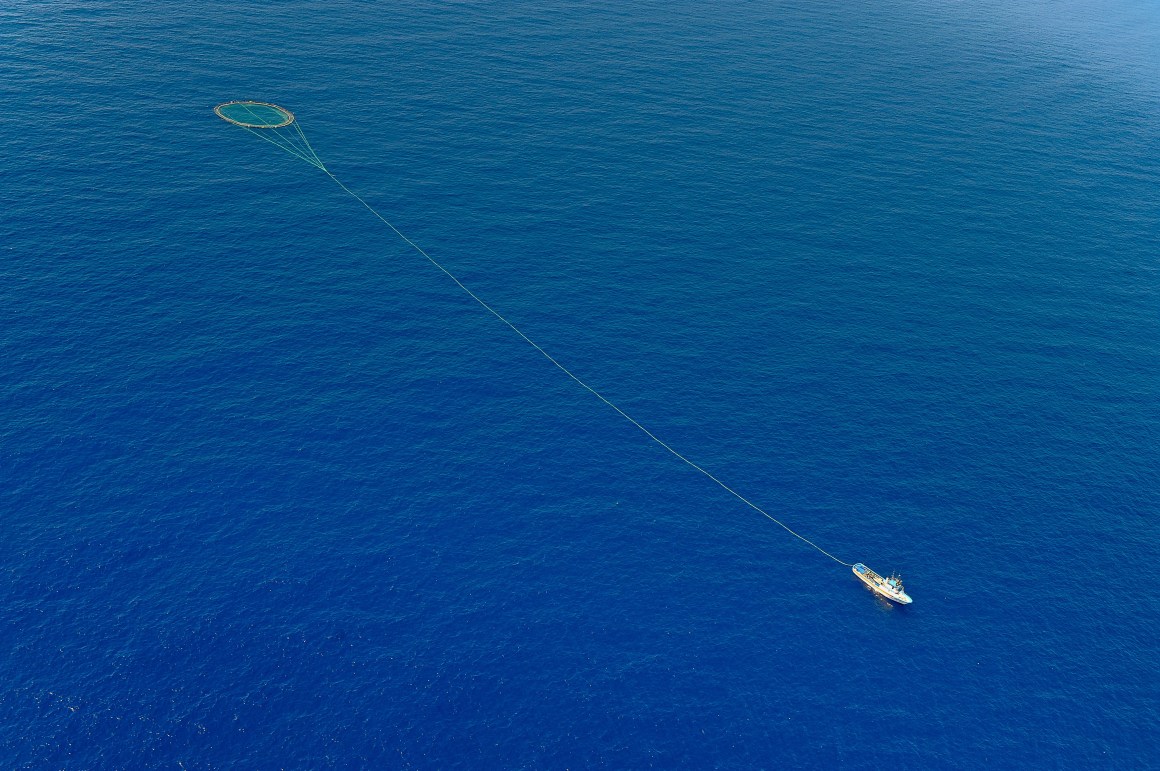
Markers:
point(879, 585)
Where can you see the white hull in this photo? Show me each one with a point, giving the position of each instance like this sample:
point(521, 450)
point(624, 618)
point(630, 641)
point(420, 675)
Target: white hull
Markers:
point(881, 585)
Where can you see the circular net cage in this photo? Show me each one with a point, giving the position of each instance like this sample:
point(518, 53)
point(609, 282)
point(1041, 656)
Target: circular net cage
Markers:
point(271, 123)
point(257, 115)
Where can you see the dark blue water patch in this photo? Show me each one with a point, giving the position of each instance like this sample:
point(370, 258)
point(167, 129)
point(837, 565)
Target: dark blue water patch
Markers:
point(278, 493)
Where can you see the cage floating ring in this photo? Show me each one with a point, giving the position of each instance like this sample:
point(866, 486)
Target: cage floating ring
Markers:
point(259, 115)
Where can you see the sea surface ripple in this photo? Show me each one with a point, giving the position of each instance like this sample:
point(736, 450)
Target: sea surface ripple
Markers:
point(275, 493)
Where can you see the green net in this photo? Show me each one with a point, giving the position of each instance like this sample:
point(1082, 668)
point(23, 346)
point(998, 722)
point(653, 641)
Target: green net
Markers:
point(272, 123)
point(254, 114)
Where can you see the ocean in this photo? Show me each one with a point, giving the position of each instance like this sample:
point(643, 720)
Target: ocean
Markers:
point(276, 493)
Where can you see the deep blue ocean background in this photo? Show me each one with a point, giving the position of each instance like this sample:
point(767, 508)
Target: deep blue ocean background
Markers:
point(276, 494)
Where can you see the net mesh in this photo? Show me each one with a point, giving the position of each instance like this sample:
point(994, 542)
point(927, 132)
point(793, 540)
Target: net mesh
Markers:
point(272, 124)
point(255, 114)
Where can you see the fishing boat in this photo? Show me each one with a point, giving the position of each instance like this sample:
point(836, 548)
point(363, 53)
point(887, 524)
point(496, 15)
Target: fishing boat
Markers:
point(890, 588)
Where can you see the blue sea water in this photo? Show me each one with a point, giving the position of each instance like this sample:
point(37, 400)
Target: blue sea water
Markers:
point(276, 494)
